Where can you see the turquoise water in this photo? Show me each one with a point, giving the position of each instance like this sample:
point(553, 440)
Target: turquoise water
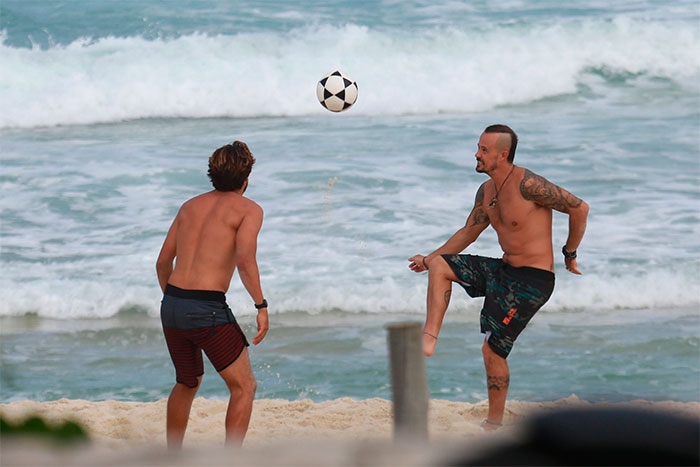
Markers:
point(339, 355)
point(110, 111)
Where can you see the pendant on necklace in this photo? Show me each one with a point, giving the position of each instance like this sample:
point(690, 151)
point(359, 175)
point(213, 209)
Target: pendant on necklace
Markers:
point(493, 202)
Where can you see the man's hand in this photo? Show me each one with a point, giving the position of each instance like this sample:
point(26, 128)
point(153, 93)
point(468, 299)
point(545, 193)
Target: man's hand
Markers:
point(263, 326)
point(417, 263)
point(571, 265)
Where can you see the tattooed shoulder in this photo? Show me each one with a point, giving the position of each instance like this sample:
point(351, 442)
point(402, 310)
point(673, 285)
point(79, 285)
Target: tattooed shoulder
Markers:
point(479, 195)
point(541, 191)
point(478, 215)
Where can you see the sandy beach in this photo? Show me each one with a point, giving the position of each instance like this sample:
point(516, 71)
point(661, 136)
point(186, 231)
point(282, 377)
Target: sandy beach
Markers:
point(338, 431)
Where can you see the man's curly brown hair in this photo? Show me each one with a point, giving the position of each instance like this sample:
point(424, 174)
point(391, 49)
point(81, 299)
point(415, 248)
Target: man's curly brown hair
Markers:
point(230, 166)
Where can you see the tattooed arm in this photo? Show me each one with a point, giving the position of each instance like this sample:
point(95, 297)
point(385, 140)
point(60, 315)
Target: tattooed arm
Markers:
point(541, 191)
point(477, 221)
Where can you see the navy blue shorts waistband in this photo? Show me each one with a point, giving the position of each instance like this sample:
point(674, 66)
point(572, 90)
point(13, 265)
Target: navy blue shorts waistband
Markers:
point(529, 273)
point(214, 295)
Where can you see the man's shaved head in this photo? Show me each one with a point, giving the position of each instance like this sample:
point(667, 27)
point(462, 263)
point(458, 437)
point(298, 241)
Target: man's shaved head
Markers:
point(507, 139)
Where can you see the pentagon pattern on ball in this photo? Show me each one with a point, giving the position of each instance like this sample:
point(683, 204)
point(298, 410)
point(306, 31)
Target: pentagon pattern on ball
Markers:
point(336, 91)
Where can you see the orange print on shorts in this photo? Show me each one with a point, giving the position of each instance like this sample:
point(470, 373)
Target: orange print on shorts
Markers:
point(511, 313)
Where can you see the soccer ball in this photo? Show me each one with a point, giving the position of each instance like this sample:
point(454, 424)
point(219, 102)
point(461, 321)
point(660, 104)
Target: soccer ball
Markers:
point(337, 91)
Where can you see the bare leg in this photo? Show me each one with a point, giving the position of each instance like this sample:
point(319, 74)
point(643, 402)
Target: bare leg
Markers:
point(440, 280)
point(497, 382)
point(241, 383)
point(178, 413)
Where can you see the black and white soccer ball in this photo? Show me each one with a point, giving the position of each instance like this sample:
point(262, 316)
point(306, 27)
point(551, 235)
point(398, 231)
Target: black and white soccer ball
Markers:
point(337, 91)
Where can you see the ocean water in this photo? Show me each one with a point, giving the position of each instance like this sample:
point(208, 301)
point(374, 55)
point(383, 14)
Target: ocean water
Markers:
point(110, 111)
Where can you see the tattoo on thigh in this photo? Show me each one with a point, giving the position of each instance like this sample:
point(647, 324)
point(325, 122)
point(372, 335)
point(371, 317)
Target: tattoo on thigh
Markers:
point(497, 383)
point(448, 293)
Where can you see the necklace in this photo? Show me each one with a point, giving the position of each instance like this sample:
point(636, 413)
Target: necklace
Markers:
point(493, 202)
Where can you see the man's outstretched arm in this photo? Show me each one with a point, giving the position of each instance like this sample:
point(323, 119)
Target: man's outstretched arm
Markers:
point(477, 221)
point(246, 249)
point(541, 191)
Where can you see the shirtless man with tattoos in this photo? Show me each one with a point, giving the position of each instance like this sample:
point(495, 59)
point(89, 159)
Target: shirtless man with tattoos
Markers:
point(518, 204)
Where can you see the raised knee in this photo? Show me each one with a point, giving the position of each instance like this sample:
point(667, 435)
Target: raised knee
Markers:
point(438, 267)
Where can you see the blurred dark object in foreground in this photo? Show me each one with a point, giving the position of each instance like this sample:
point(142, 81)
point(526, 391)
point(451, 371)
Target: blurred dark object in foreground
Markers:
point(37, 429)
point(600, 437)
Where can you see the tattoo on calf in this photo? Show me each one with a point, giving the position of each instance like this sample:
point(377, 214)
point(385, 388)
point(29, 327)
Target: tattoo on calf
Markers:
point(497, 383)
point(543, 192)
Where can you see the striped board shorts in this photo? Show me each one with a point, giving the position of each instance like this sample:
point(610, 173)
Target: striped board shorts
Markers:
point(196, 320)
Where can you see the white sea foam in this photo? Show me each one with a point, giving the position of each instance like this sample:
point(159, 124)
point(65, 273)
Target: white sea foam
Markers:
point(594, 294)
point(81, 239)
point(274, 73)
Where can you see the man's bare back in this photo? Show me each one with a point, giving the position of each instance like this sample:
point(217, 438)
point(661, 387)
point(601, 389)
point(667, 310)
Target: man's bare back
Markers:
point(209, 231)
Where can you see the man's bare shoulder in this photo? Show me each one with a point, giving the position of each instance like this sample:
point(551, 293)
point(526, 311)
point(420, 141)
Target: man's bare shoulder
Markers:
point(252, 207)
point(200, 198)
point(193, 204)
point(480, 192)
point(484, 185)
point(226, 199)
point(242, 206)
point(538, 189)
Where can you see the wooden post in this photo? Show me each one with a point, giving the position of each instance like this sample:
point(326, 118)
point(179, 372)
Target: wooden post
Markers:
point(409, 384)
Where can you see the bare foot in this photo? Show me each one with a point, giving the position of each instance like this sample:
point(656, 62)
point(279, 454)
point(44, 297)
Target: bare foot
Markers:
point(429, 343)
point(487, 425)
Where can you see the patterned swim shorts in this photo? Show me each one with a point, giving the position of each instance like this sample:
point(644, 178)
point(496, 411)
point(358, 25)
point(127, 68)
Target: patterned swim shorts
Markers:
point(512, 295)
point(196, 320)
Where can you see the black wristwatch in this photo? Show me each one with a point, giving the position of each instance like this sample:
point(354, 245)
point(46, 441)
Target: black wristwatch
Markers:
point(261, 305)
point(568, 254)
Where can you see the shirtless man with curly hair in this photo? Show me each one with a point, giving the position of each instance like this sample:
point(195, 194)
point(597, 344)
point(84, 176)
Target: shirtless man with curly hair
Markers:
point(212, 235)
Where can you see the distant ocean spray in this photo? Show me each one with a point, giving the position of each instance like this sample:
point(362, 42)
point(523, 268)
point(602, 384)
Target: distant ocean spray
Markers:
point(273, 73)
